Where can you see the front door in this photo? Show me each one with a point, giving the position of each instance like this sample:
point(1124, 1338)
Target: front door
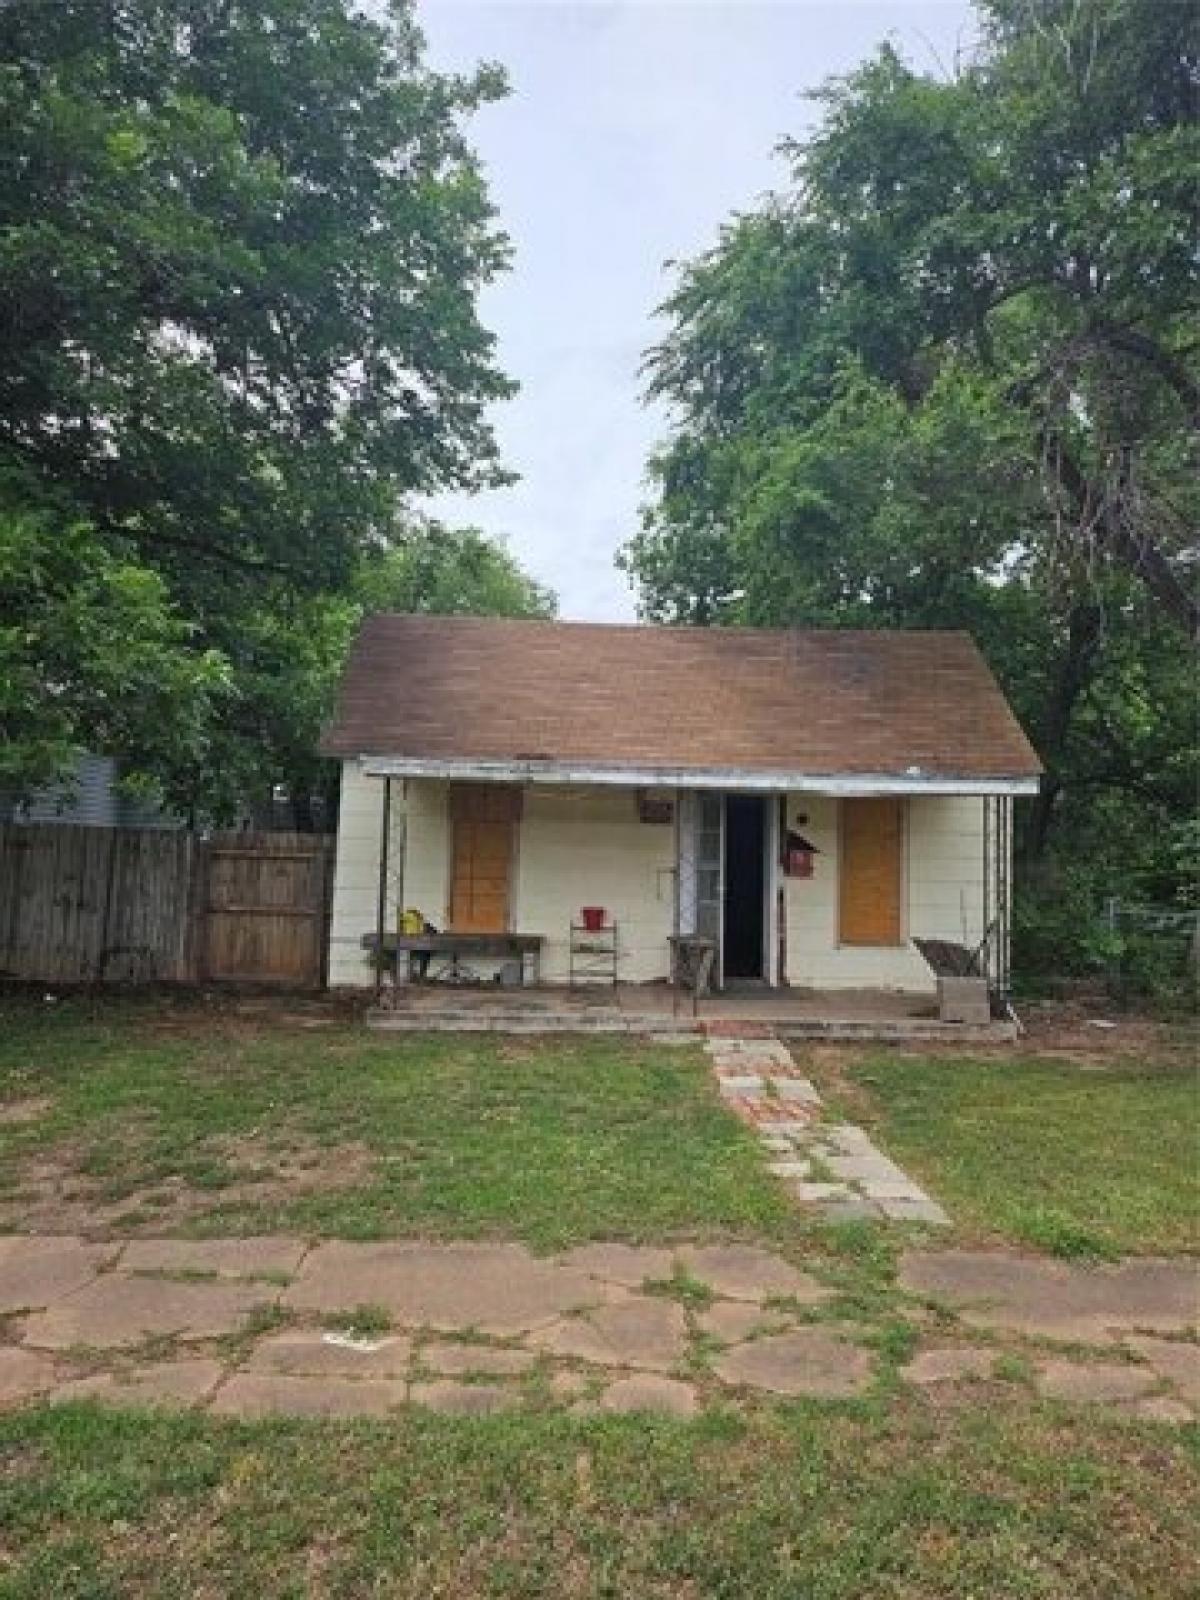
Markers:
point(483, 818)
point(745, 886)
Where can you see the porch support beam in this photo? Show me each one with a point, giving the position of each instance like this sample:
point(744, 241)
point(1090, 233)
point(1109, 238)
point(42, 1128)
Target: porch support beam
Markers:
point(732, 780)
point(385, 829)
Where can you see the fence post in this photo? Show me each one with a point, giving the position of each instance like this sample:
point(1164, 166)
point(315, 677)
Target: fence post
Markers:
point(1112, 910)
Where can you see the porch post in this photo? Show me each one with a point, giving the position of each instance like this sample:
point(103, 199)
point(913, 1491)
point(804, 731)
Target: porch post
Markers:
point(381, 904)
point(771, 836)
point(675, 921)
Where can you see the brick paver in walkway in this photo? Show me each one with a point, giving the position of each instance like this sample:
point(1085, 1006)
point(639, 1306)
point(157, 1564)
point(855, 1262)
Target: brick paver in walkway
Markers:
point(484, 1328)
point(831, 1166)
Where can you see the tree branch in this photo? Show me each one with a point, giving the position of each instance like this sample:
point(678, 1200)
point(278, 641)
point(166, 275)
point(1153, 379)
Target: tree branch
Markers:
point(1137, 552)
point(1172, 371)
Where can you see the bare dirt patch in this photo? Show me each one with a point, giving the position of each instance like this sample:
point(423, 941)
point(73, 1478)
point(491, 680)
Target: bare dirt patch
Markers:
point(1088, 1032)
point(55, 1195)
point(1075, 1031)
point(18, 1112)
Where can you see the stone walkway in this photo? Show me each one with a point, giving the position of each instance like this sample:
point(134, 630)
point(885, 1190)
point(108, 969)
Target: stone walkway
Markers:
point(268, 1326)
point(253, 1327)
point(833, 1166)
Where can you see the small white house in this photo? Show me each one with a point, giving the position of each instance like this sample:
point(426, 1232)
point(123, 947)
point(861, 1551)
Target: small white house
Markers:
point(803, 804)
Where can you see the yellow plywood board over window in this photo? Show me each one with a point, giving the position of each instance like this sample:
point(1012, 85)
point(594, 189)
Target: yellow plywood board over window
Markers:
point(872, 850)
point(484, 820)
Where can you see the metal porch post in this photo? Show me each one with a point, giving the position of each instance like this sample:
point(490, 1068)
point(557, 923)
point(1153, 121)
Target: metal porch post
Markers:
point(381, 905)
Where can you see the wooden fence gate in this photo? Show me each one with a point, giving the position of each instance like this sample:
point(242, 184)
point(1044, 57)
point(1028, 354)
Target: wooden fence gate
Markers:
point(81, 904)
point(266, 907)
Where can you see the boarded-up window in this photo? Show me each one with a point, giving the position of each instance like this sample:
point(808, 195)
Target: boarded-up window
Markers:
point(871, 871)
point(484, 821)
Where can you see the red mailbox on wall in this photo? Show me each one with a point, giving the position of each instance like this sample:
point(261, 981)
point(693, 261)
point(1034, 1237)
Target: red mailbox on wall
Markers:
point(799, 856)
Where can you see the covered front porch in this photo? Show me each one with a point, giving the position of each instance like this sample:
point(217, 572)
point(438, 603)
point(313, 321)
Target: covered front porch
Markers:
point(808, 902)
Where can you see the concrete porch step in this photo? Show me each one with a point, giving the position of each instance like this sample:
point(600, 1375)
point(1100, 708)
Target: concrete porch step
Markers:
point(519, 1020)
point(900, 1029)
point(477, 1020)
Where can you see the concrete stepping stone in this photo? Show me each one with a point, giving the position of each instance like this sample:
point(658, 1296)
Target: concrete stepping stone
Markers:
point(262, 1394)
point(792, 1168)
point(307, 1353)
point(169, 1384)
point(235, 1258)
point(747, 1272)
point(916, 1207)
point(1162, 1408)
point(798, 1091)
point(789, 1128)
point(640, 1332)
point(851, 1208)
point(747, 1084)
point(118, 1310)
point(949, 1365)
point(464, 1359)
point(1058, 1299)
point(23, 1374)
point(849, 1139)
point(1173, 1360)
point(819, 1193)
point(1100, 1382)
point(876, 1170)
point(646, 1393)
point(629, 1265)
point(464, 1399)
point(36, 1271)
point(810, 1361)
point(733, 1321)
point(497, 1288)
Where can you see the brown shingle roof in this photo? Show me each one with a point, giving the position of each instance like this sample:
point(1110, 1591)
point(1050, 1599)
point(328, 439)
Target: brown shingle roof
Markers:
point(818, 702)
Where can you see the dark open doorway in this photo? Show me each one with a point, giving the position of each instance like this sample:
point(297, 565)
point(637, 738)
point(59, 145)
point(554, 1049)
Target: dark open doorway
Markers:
point(745, 822)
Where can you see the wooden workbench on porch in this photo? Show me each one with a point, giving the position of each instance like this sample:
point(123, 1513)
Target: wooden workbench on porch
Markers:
point(400, 948)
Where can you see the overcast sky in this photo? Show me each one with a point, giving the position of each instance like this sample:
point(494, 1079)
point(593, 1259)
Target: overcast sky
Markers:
point(633, 130)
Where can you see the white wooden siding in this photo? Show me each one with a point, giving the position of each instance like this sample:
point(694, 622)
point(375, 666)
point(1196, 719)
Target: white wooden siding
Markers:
point(941, 897)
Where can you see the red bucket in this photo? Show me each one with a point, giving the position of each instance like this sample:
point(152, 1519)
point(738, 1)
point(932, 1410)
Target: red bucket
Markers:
point(593, 918)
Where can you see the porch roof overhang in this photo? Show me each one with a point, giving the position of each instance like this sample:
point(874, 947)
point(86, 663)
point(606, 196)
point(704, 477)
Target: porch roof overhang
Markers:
point(732, 780)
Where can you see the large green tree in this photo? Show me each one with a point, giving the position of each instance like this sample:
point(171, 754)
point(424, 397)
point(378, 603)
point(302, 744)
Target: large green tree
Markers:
point(299, 652)
point(947, 378)
point(240, 248)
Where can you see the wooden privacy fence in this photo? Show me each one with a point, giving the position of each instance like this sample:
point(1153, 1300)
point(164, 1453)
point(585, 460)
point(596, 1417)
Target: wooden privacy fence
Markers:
point(80, 904)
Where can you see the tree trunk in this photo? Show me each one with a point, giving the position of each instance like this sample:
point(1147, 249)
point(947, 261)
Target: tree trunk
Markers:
point(303, 819)
point(1070, 681)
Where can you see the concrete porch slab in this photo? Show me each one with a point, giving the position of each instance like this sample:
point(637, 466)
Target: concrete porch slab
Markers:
point(655, 1008)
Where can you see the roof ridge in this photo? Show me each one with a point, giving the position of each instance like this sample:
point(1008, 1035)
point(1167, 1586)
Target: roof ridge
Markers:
point(731, 629)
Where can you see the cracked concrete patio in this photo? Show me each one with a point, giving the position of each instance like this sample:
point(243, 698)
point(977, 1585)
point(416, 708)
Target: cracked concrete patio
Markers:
point(274, 1325)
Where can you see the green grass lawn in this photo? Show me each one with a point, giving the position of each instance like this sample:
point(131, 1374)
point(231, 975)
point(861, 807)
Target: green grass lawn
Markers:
point(1047, 1153)
point(154, 1117)
point(181, 1123)
point(794, 1503)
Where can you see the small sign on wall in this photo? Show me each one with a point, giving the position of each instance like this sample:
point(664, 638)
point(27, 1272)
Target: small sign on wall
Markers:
point(655, 805)
point(799, 856)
